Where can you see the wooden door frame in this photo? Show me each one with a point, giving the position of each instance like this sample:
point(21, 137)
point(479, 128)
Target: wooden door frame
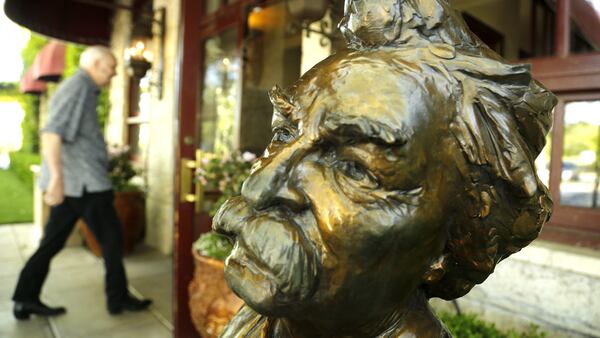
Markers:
point(187, 79)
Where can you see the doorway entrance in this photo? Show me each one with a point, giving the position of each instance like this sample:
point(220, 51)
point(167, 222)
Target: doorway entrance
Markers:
point(232, 53)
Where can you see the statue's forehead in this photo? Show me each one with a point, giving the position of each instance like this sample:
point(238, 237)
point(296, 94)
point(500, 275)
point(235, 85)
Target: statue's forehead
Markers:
point(360, 86)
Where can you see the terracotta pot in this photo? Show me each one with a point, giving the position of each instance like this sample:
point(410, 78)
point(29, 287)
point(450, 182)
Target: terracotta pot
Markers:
point(130, 206)
point(212, 303)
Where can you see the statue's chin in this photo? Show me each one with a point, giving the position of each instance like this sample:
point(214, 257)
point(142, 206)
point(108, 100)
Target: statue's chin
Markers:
point(261, 289)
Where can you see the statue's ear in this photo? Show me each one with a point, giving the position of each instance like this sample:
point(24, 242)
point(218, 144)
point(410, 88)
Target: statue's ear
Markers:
point(436, 270)
point(479, 204)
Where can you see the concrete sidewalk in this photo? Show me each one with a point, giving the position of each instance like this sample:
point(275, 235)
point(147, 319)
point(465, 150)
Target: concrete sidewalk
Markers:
point(76, 280)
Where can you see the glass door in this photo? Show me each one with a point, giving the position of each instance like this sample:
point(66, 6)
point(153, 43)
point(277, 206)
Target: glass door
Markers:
point(219, 107)
point(209, 79)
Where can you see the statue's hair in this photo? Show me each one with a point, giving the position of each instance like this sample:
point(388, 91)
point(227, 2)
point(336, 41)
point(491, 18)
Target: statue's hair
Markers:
point(92, 54)
point(499, 122)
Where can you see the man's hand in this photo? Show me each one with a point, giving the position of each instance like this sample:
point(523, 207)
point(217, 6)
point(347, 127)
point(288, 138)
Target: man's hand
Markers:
point(51, 148)
point(55, 194)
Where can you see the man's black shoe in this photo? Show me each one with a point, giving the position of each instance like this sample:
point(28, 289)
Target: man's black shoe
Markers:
point(22, 310)
point(129, 304)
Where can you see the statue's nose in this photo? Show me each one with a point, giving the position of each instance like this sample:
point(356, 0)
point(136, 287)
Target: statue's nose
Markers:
point(274, 184)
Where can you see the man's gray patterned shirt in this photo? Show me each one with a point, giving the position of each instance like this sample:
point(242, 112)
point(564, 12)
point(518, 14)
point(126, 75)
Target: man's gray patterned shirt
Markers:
point(73, 116)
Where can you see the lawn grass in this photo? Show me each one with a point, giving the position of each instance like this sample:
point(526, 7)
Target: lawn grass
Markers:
point(16, 199)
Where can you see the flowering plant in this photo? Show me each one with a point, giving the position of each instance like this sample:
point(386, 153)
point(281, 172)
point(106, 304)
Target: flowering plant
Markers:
point(224, 173)
point(120, 169)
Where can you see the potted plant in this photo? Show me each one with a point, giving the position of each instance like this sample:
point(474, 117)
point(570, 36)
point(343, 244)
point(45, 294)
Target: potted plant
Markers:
point(129, 201)
point(212, 303)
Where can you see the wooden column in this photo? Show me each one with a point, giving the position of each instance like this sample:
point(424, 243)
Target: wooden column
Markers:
point(562, 37)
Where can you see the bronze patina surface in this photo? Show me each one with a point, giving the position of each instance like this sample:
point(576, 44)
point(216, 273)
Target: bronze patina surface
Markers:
point(400, 169)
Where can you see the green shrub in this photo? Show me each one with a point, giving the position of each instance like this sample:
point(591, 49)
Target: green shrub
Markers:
point(469, 326)
point(30, 124)
point(213, 245)
point(31, 103)
point(20, 163)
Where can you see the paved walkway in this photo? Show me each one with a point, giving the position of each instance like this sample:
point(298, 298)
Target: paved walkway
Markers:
point(76, 281)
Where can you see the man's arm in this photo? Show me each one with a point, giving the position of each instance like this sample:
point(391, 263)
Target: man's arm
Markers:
point(52, 146)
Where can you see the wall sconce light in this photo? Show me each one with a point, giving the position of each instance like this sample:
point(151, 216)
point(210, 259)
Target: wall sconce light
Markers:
point(139, 56)
point(265, 19)
point(305, 12)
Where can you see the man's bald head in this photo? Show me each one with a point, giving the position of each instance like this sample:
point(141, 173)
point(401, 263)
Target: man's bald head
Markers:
point(93, 54)
point(100, 63)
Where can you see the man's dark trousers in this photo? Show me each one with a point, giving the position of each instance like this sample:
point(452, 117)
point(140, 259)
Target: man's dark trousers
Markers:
point(98, 211)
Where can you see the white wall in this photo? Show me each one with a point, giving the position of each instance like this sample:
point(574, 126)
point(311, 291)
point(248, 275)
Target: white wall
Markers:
point(312, 50)
point(118, 96)
point(554, 286)
point(160, 203)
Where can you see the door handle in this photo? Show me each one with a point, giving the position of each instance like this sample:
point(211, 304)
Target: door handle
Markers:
point(186, 177)
point(187, 169)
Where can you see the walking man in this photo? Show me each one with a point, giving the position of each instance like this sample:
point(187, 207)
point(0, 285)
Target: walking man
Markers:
point(74, 179)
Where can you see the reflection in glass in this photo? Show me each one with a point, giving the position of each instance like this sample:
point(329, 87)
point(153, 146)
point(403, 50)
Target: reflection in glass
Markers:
point(268, 31)
point(580, 162)
point(220, 92)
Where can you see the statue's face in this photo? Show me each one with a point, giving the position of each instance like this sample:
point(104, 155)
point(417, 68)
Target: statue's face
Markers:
point(348, 207)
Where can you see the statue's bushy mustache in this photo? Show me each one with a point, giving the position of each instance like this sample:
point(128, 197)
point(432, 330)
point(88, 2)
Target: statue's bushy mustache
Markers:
point(275, 244)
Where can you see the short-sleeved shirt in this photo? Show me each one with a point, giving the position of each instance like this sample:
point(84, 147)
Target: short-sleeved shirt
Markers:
point(73, 116)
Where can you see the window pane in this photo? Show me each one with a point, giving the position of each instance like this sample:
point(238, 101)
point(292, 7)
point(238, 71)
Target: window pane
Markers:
point(220, 92)
point(580, 166)
point(268, 31)
point(138, 143)
point(145, 99)
point(211, 6)
point(542, 162)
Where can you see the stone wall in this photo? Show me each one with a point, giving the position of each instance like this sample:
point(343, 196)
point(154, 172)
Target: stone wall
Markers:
point(160, 203)
point(116, 132)
point(160, 170)
point(554, 286)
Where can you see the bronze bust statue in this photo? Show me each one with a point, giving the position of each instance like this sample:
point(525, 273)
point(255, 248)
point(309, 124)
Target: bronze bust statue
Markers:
point(400, 169)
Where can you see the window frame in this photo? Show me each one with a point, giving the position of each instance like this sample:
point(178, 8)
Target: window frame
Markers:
point(569, 224)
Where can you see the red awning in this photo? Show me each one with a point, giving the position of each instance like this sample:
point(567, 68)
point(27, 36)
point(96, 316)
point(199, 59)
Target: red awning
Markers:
point(29, 85)
point(49, 63)
point(78, 21)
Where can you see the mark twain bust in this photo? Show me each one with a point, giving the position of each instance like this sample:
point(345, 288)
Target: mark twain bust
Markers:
point(400, 169)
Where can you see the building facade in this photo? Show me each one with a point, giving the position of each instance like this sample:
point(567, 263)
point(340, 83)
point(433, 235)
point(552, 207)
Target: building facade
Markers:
point(212, 63)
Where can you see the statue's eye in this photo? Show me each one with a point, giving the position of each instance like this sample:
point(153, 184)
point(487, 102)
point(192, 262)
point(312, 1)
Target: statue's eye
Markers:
point(353, 169)
point(282, 135)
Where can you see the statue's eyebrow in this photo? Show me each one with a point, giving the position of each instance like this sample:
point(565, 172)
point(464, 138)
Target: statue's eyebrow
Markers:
point(281, 102)
point(361, 128)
